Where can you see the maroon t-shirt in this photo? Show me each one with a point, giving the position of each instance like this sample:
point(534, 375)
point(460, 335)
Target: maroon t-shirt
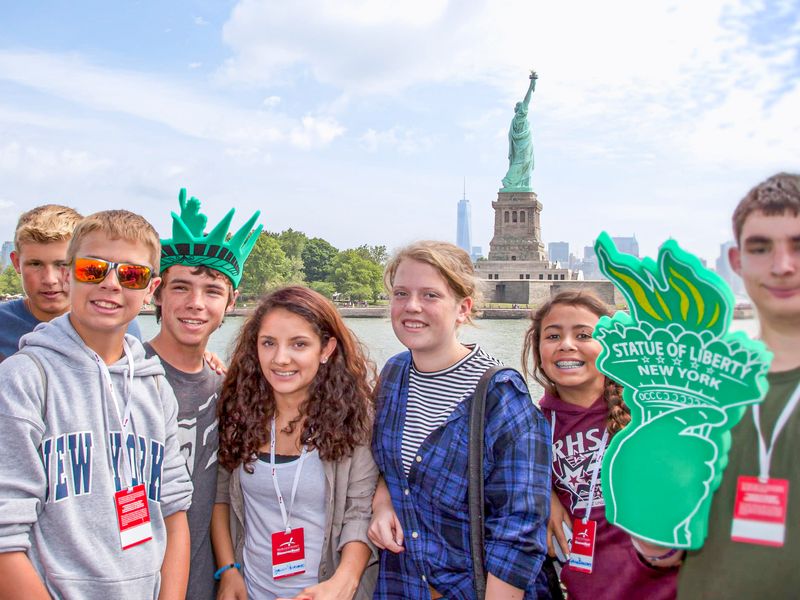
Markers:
point(617, 572)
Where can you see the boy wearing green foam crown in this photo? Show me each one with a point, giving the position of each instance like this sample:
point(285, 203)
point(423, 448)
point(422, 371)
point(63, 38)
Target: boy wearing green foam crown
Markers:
point(754, 524)
point(200, 273)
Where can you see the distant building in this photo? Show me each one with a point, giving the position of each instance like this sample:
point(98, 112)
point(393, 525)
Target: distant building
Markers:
point(477, 252)
point(464, 229)
point(587, 267)
point(628, 245)
point(559, 252)
point(5, 254)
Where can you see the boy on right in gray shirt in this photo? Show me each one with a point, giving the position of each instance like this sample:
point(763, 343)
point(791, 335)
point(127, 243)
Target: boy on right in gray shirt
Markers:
point(200, 274)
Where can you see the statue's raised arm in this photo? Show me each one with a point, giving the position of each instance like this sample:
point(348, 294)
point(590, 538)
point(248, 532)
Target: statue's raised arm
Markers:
point(520, 145)
point(531, 88)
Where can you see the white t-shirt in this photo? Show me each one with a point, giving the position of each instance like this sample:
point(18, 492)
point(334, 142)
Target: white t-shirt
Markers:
point(262, 518)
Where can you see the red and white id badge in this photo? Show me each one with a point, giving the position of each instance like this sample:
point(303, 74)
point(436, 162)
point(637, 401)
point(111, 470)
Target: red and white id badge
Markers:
point(288, 553)
point(581, 553)
point(133, 516)
point(759, 514)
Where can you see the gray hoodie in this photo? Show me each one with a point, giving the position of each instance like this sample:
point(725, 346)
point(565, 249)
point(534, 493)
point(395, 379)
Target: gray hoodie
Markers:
point(60, 465)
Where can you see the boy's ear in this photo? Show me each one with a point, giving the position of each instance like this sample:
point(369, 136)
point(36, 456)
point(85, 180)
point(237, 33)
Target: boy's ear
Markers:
point(232, 303)
point(151, 288)
point(735, 258)
point(15, 261)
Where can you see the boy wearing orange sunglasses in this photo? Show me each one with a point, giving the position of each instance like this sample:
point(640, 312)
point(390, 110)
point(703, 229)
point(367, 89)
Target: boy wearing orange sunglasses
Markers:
point(200, 273)
point(93, 485)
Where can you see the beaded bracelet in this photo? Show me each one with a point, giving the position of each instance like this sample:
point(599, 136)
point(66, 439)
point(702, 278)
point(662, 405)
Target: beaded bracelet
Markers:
point(221, 570)
point(652, 559)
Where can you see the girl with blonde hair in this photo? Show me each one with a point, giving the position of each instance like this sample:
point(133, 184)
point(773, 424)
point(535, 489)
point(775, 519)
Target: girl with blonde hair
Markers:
point(421, 516)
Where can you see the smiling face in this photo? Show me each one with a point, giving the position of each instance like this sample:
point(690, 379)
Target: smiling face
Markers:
point(193, 304)
point(569, 353)
point(426, 315)
point(290, 353)
point(101, 312)
point(768, 260)
point(45, 277)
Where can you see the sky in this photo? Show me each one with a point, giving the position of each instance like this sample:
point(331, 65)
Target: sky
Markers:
point(363, 121)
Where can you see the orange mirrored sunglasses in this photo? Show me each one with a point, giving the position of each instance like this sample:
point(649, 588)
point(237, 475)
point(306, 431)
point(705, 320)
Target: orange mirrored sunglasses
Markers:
point(95, 270)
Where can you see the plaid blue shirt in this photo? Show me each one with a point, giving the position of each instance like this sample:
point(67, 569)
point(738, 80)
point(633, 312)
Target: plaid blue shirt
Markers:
point(431, 502)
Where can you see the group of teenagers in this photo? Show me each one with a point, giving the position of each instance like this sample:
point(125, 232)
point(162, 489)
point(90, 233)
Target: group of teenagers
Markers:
point(149, 470)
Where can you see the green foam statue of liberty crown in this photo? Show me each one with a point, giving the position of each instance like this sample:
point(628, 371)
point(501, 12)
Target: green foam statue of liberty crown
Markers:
point(190, 246)
point(687, 381)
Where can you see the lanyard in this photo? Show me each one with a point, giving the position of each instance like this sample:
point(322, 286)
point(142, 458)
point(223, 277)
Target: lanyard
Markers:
point(296, 482)
point(764, 452)
point(124, 418)
point(597, 462)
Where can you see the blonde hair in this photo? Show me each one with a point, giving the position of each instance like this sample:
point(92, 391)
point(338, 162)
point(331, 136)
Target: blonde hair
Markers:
point(118, 225)
point(452, 263)
point(46, 224)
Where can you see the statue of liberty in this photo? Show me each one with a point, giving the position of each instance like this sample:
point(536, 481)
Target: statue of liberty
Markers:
point(520, 146)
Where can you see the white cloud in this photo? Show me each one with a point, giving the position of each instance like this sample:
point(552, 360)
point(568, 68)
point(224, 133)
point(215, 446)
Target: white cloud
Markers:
point(174, 170)
point(36, 162)
point(315, 132)
point(11, 116)
point(200, 21)
point(195, 65)
point(661, 72)
point(405, 141)
point(5, 203)
point(272, 101)
point(183, 109)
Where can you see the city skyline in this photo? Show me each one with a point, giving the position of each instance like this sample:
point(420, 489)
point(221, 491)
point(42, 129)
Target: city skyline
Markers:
point(356, 122)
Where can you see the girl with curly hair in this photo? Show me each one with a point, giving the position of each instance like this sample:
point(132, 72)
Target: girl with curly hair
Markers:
point(296, 475)
point(585, 409)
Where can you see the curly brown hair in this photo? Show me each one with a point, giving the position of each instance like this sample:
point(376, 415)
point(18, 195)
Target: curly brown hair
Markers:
point(338, 413)
point(619, 414)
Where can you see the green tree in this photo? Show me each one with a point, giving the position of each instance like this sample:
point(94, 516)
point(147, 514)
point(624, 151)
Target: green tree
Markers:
point(268, 267)
point(377, 254)
point(325, 288)
point(10, 283)
point(357, 277)
point(318, 257)
point(292, 242)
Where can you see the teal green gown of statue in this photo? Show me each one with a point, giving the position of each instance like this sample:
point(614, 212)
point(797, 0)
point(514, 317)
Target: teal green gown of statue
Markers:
point(520, 152)
point(520, 147)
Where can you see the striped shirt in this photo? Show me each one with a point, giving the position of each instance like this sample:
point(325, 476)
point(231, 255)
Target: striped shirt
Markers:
point(433, 396)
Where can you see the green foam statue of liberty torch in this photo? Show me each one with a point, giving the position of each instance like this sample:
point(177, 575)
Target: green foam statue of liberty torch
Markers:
point(688, 380)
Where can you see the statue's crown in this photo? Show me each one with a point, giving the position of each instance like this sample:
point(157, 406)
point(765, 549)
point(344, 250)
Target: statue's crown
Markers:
point(190, 246)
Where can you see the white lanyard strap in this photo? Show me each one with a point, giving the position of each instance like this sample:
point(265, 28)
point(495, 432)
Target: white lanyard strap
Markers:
point(764, 452)
point(598, 460)
point(286, 516)
point(124, 417)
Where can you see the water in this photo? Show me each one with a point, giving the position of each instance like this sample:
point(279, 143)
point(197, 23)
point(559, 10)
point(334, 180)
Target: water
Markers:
point(501, 338)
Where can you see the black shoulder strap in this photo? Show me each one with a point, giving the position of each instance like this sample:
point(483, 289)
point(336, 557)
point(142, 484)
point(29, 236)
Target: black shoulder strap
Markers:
point(477, 421)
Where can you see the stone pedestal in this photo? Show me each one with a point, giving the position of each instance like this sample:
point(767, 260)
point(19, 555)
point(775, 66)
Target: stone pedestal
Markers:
point(517, 232)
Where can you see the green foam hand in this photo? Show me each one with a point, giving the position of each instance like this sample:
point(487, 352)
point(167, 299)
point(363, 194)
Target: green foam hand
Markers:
point(687, 381)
